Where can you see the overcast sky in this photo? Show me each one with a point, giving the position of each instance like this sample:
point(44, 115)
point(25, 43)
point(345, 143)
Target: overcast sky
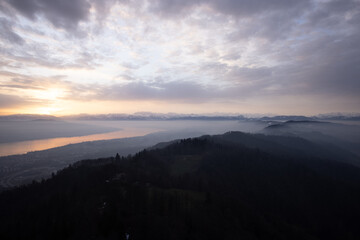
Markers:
point(186, 56)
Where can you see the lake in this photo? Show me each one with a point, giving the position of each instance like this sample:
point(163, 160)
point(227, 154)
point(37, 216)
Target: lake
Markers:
point(121, 129)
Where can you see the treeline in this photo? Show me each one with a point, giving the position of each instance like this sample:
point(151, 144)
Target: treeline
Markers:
point(203, 188)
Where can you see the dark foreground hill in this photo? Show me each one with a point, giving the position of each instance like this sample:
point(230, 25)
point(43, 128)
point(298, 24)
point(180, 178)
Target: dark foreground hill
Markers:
point(232, 186)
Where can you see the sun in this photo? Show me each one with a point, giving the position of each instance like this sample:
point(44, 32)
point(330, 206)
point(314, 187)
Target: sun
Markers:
point(51, 99)
point(51, 94)
point(48, 110)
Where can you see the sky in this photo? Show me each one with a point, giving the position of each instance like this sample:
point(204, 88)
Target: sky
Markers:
point(64, 57)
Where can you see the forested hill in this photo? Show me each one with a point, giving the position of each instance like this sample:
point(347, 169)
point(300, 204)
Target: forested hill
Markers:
point(231, 186)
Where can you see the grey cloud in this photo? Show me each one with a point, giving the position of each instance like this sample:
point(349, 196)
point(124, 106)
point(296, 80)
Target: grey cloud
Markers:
point(326, 57)
point(248, 74)
point(339, 79)
point(175, 90)
point(214, 67)
point(9, 74)
point(7, 101)
point(19, 86)
point(36, 54)
point(231, 56)
point(235, 73)
point(18, 79)
point(331, 14)
point(65, 14)
point(7, 32)
point(321, 51)
point(27, 7)
point(85, 59)
point(195, 50)
point(103, 7)
point(337, 69)
point(250, 7)
point(62, 13)
point(228, 7)
point(270, 25)
point(130, 65)
point(22, 81)
point(68, 13)
point(281, 22)
point(314, 45)
point(179, 91)
point(170, 8)
point(125, 77)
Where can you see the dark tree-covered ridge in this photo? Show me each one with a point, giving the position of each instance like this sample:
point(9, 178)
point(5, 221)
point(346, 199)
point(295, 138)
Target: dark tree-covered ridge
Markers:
point(231, 186)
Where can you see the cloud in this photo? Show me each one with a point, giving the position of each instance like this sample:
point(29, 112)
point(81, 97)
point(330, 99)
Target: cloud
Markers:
point(184, 50)
point(170, 8)
point(234, 74)
point(228, 7)
point(7, 32)
point(173, 91)
point(15, 81)
point(330, 13)
point(166, 91)
point(8, 101)
point(61, 13)
point(37, 54)
point(248, 74)
point(336, 73)
point(249, 7)
point(130, 65)
point(127, 77)
point(231, 56)
point(20, 86)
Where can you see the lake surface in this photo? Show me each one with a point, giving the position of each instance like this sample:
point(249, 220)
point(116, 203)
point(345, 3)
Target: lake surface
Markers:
point(128, 129)
point(43, 144)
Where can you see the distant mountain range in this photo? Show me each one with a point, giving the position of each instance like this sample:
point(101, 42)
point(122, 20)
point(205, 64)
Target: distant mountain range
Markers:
point(27, 117)
point(153, 116)
point(178, 116)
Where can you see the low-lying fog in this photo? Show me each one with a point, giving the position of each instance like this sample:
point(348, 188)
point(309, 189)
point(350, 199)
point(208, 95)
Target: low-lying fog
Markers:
point(68, 142)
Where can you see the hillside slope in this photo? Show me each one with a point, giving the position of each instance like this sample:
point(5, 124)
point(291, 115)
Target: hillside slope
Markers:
point(213, 187)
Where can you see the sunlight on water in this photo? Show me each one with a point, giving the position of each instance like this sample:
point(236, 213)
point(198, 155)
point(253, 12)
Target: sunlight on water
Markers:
point(38, 145)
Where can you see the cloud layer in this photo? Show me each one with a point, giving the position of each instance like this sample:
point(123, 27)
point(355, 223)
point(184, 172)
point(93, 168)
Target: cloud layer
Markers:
point(240, 53)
